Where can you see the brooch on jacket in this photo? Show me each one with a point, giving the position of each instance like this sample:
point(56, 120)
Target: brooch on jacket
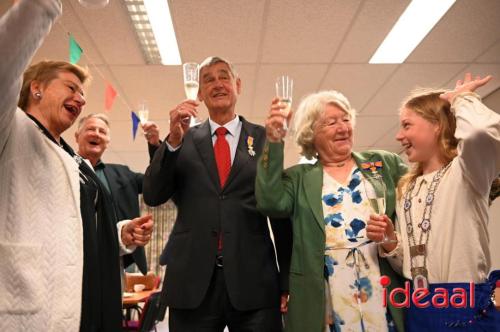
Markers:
point(251, 151)
point(373, 166)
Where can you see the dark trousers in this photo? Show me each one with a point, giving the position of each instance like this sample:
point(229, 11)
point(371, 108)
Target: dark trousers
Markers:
point(216, 312)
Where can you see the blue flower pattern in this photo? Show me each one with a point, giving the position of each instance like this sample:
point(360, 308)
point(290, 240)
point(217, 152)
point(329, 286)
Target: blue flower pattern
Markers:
point(336, 220)
point(330, 262)
point(356, 226)
point(346, 210)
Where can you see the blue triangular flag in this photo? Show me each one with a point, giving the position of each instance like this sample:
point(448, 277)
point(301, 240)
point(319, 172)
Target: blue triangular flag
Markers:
point(135, 124)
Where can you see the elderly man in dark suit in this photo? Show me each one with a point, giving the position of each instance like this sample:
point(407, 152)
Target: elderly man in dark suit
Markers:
point(221, 264)
point(124, 185)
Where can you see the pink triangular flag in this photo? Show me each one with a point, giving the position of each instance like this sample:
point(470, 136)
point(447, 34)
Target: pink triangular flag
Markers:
point(109, 97)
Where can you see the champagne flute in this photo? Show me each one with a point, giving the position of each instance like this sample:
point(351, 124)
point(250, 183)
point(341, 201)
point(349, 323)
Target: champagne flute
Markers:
point(143, 112)
point(376, 192)
point(191, 72)
point(284, 91)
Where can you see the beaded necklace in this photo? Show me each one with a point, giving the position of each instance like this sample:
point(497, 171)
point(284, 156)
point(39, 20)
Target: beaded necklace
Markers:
point(419, 273)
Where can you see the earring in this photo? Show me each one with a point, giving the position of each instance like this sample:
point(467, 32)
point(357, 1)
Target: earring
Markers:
point(37, 95)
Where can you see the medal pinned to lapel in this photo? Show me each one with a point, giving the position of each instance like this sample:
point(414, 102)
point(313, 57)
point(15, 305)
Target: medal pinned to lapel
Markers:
point(373, 166)
point(251, 151)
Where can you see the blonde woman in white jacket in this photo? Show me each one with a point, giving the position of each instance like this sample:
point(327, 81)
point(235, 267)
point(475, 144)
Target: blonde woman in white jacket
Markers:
point(52, 278)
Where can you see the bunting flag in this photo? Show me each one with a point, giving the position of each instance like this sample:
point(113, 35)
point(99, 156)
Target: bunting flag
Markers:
point(135, 124)
point(109, 97)
point(75, 51)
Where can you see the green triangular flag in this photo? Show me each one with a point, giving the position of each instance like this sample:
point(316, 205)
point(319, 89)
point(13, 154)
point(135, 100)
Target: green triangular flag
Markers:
point(75, 51)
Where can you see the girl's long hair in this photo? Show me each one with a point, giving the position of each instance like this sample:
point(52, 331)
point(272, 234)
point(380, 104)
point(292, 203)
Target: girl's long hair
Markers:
point(427, 104)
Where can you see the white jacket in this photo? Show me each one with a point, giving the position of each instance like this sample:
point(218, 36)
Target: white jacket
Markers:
point(41, 236)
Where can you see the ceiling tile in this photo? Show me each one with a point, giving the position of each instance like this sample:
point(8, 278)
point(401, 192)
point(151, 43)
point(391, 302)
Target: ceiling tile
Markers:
point(465, 32)
point(406, 78)
point(56, 44)
point(358, 82)
point(370, 128)
point(109, 29)
point(160, 86)
point(225, 28)
point(492, 55)
point(374, 21)
point(481, 70)
point(306, 31)
point(306, 80)
point(387, 140)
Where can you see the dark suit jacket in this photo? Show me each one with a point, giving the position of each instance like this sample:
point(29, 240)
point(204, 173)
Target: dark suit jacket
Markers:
point(125, 187)
point(189, 176)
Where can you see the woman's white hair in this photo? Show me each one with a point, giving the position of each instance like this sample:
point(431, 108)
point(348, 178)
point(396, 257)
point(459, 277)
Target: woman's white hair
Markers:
point(309, 111)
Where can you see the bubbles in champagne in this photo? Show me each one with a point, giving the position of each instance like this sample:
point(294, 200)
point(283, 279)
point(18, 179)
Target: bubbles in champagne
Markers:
point(143, 116)
point(191, 89)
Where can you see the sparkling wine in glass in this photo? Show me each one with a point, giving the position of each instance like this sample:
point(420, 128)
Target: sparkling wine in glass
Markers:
point(143, 113)
point(284, 91)
point(191, 89)
point(191, 72)
point(376, 192)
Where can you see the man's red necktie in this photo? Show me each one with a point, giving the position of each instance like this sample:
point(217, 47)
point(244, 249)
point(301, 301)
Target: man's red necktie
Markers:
point(223, 160)
point(222, 155)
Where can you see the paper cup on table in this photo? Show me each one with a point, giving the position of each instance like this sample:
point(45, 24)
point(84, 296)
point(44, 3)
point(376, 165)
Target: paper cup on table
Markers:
point(139, 287)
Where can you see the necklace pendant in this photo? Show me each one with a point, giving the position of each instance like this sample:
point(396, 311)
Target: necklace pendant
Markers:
point(420, 281)
point(420, 275)
point(417, 250)
point(407, 204)
point(429, 198)
point(425, 225)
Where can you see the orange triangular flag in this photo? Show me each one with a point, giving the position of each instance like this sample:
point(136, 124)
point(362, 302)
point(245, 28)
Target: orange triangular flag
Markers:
point(109, 97)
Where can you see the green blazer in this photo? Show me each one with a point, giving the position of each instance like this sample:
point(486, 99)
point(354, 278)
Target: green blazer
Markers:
point(296, 192)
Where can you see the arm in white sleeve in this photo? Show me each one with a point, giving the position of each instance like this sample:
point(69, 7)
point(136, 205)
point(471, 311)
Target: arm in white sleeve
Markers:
point(22, 29)
point(124, 250)
point(478, 132)
point(394, 257)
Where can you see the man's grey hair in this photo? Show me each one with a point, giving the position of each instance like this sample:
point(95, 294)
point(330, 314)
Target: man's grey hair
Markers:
point(212, 60)
point(100, 116)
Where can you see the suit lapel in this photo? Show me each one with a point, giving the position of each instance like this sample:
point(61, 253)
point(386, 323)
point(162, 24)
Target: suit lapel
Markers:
point(113, 180)
point(241, 156)
point(313, 184)
point(203, 141)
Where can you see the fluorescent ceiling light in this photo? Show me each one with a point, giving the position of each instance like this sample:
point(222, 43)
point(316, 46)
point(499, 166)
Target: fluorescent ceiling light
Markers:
point(153, 24)
point(163, 28)
point(411, 28)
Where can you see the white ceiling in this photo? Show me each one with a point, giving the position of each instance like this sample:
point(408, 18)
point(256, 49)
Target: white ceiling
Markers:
point(322, 44)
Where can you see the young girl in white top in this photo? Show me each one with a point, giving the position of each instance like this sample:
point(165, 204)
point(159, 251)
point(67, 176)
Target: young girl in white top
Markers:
point(453, 139)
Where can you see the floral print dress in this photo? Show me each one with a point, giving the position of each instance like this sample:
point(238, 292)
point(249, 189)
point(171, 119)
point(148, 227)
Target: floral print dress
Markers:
point(352, 274)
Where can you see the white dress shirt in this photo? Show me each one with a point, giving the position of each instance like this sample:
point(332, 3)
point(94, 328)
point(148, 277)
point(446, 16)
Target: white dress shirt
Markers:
point(232, 136)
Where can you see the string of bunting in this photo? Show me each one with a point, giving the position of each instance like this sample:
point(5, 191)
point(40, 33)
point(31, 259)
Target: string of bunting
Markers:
point(110, 93)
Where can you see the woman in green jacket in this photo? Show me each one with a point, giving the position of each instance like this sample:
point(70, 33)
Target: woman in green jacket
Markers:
point(335, 270)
